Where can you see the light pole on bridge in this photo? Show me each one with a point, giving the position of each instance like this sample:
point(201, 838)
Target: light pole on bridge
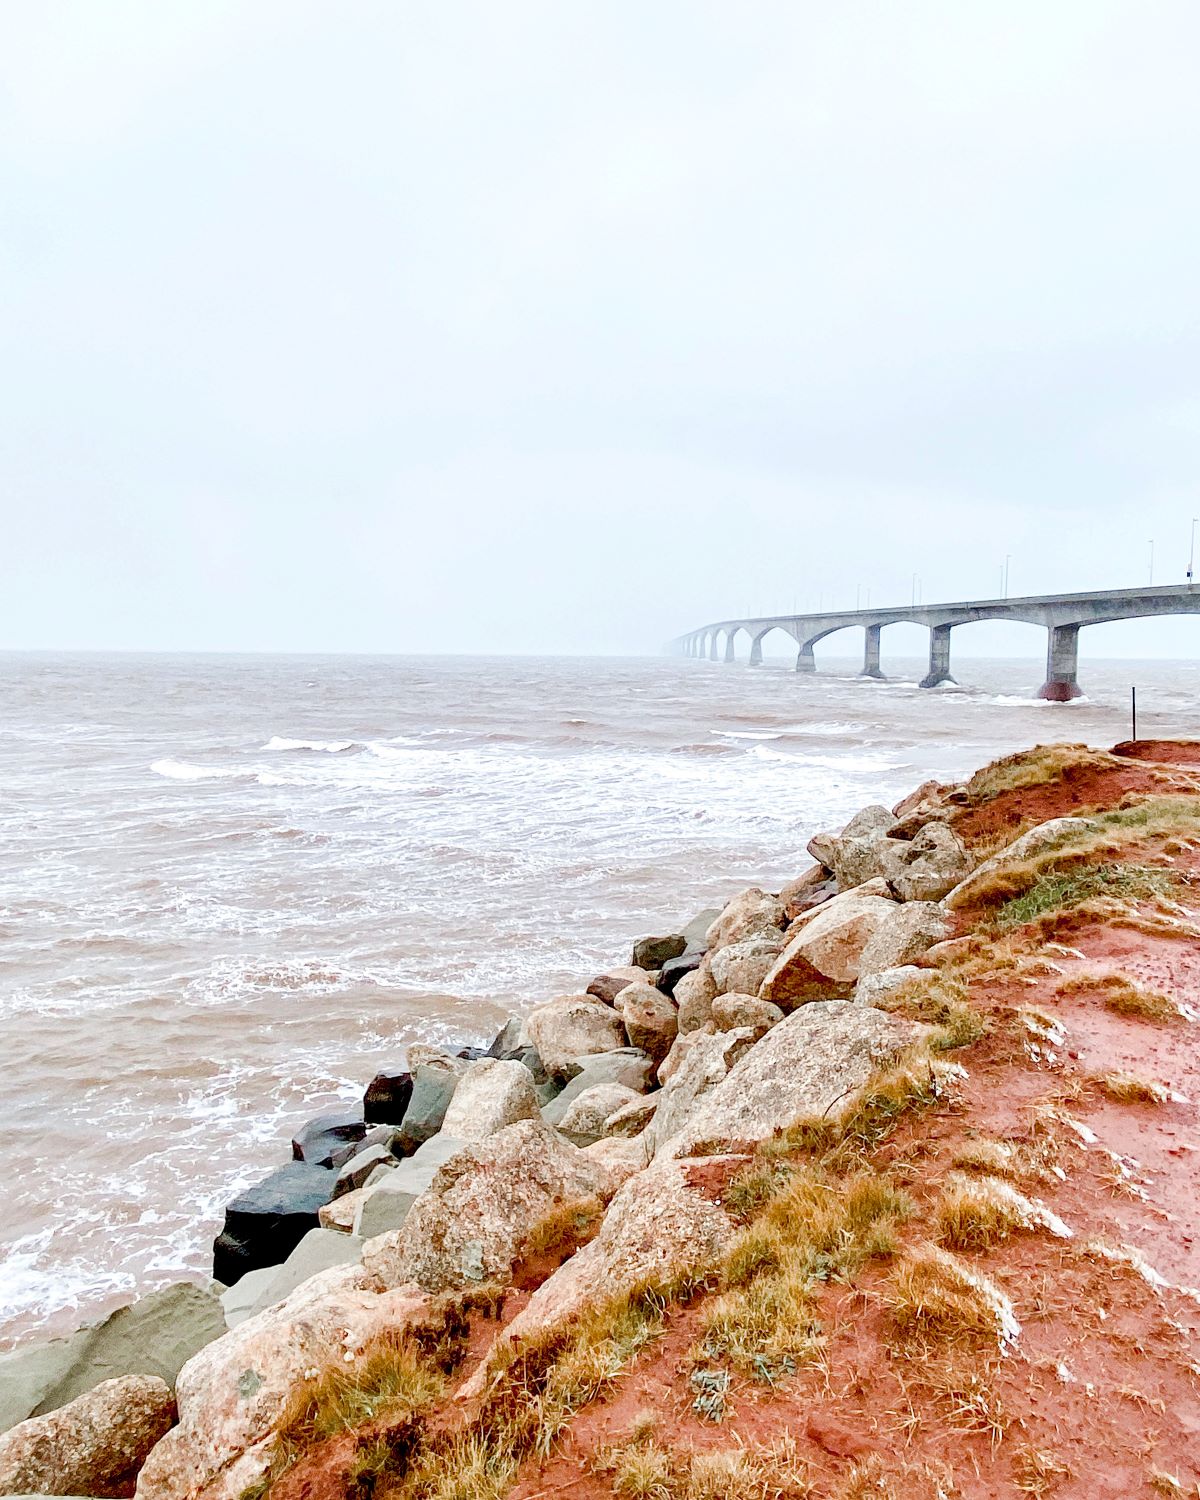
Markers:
point(1192, 551)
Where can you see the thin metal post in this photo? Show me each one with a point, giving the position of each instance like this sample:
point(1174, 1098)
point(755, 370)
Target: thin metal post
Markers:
point(1133, 710)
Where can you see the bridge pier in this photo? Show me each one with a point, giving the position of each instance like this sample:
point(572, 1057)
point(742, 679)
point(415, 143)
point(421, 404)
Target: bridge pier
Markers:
point(756, 651)
point(1062, 665)
point(871, 652)
point(939, 657)
point(805, 660)
point(729, 656)
point(712, 647)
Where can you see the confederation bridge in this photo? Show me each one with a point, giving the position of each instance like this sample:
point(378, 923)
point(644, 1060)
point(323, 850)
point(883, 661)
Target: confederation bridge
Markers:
point(1062, 615)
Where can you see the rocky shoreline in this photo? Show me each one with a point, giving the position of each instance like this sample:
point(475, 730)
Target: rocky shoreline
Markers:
point(640, 1095)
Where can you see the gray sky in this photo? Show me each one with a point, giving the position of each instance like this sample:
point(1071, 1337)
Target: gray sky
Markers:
point(567, 326)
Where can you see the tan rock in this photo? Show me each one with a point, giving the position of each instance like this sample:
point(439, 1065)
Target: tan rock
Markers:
point(706, 1064)
point(490, 1095)
point(340, 1214)
point(95, 1445)
point(664, 1220)
point(470, 1223)
point(570, 1028)
point(621, 1156)
point(751, 912)
point(733, 1010)
point(680, 1048)
point(651, 1019)
point(1044, 836)
point(906, 933)
point(694, 995)
point(743, 966)
point(930, 864)
point(586, 1120)
point(812, 1064)
point(632, 1118)
point(231, 1394)
point(826, 951)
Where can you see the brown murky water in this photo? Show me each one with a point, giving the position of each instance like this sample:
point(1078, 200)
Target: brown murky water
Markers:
point(231, 886)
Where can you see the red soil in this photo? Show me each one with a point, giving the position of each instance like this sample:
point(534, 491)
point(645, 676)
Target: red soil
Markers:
point(1102, 1389)
point(1170, 752)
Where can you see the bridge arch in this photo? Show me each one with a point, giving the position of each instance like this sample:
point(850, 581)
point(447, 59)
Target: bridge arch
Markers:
point(757, 639)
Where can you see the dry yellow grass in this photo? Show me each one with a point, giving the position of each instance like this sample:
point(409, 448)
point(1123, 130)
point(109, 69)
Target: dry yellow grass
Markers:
point(1040, 766)
point(1128, 1088)
point(650, 1472)
point(1123, 995)
point(932, 1298)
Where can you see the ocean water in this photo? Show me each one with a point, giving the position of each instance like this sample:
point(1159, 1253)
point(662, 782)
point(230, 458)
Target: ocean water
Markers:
point(232, 887)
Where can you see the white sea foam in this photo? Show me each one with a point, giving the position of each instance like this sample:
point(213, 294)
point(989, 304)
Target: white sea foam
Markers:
point(183, 770)
point(330, 747)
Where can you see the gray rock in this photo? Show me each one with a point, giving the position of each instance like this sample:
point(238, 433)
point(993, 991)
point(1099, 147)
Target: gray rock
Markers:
point(653, 952)
point(356, 1171)
point(696, 931)
point(811, 1065)
point(930, 864)
point(676, 970)
point(434, 1078)
point(257, 1290)
point(331, 1139)
point(155, 1335)
point(390, 1199)
point(94, 1445)
point(266, 1222)
point(387, 1097)
point(491, 1094)
point(509, 1040)
point(625, 1065)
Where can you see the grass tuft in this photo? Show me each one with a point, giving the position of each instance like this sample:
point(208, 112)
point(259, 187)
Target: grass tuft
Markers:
point(1128, 1088)
point(932, 1298)
point(1123, 995)
point(1052, 890)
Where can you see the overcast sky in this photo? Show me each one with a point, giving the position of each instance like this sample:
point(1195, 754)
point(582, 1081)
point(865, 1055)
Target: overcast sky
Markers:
point(567, 326)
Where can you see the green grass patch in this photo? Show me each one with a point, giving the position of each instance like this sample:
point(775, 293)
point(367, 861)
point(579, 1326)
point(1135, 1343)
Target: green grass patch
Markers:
point(1056, 890)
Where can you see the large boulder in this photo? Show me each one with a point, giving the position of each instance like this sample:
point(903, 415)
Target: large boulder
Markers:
point(317, 1251)
point(825, 951)
point(651, 1019)
point(607, 986)
point(751, 913)
point(706, 1064)
point(232, 1393)
point(573, 1027)
point(696, 931)
point(470, 1225)
point(653, 952)
point(680, 1048)
point(330, 1140)
point(155, 1335)
point(664, 1220)
point(435, 1076)
point(626, 1065)
point(744, 965)
point(265, 1223)
point(733, 1010)
point(387, 1200)
point(490, 1095)
point(93, 1446)
point(694, 995)
point(586, 1120)
point(876, 989)
point(906, 933)
point(1035, 841)
point(632, 1118)
point(387, 1097)
point(806, 891)
point(930, 864)
point(811, 1065)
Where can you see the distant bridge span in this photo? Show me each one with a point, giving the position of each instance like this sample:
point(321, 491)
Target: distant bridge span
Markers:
point(1062, 615)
